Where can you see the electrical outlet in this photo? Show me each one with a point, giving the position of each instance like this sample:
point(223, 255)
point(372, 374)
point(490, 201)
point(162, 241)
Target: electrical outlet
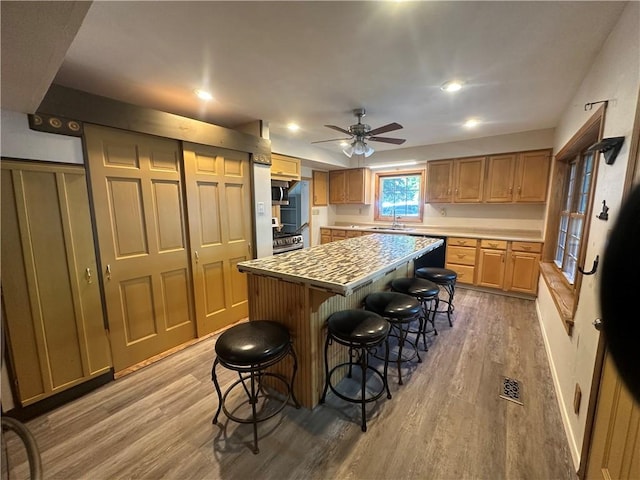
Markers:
point(315, 211)
point(443, 212)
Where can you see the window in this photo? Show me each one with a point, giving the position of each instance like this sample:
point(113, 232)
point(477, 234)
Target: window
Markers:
point(577, 190)
point(399, 196)
point(567, 229)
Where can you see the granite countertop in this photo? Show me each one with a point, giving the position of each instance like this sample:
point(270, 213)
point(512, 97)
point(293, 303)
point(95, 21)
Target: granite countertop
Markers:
point(344, 266)
point(492, 233)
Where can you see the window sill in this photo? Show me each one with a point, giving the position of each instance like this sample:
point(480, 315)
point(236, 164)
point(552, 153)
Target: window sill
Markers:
point(562, 295)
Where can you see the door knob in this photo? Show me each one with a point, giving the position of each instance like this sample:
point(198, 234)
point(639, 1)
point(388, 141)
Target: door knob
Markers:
point(597, 323)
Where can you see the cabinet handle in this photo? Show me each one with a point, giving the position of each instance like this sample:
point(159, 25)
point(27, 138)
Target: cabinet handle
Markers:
point(493, 245)
point(526, 247)
point(108, 271)
point(463, 242)
point(510, 190)
point(88, 275)
point(461, 256)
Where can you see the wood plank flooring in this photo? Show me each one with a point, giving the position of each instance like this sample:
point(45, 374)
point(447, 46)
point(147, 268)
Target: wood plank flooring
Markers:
point(446, 422)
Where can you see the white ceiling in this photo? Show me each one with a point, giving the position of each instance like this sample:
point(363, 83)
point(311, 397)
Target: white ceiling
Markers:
point(313, 62)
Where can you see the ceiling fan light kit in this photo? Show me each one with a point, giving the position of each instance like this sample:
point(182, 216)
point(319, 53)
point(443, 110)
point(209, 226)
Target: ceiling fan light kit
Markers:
point(361, 132)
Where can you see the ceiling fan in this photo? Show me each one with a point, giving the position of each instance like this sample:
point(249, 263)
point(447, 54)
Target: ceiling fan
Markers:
point(360, 132)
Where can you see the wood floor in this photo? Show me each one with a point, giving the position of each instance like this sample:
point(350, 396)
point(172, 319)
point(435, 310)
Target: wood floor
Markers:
point(446, 422)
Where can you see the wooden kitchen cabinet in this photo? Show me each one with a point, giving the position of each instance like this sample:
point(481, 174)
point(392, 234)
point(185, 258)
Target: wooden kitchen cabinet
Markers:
point(440, 181)
point(320, 181)
point(325, 235)
point(455, 181)
point(461, 258)
point(285, 168)
point(350, 186)
point(523, 266)
point(492, 258)
point(518, 177)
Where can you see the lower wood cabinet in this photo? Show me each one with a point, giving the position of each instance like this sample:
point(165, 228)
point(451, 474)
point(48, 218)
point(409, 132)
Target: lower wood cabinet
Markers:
point(325, 235)
point(461, 258)
point(523, 267)
point(491, 263)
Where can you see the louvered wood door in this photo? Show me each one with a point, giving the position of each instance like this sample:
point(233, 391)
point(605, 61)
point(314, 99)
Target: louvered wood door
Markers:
point(140, 221)
point(220, 227)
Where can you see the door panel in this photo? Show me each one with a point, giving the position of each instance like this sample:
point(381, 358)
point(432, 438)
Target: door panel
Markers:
point(615, 447)
point(219, 205)
point(140, 219)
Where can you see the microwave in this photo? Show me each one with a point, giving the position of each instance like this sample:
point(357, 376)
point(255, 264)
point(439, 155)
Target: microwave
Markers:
point(279, 192)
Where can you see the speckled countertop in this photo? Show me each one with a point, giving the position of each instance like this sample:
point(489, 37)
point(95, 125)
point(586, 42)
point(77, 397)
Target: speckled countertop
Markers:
point(342, 267)
point(492, 233)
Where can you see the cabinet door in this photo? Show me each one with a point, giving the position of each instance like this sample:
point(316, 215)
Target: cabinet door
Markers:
point(337, 182)
point(357, 185)
point(491, 268)
point(522, 275)
point(285, 168)
point(532, 176)
point(51, 294)
point(439, 181)
point(469, 180)
point(320, 180)
point(499, 179)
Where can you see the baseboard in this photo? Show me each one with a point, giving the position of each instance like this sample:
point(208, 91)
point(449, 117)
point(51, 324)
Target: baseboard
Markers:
point(573, 447)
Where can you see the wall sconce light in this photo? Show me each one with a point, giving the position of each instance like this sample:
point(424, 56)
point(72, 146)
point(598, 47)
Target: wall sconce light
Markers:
point(610, 147)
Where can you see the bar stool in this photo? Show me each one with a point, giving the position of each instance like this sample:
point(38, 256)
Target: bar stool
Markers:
point(363, 332)
point(446, 279)
point(400, 310)
point(426, 292)
point(249, 349)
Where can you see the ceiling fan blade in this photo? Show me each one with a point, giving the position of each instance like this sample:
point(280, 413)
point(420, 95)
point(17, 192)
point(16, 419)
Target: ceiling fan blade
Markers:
point(332, 140)
point(397, 141)
point(339, 129)
point(384, 129)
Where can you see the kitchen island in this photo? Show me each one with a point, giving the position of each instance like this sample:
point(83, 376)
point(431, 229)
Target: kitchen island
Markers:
point(302, 288)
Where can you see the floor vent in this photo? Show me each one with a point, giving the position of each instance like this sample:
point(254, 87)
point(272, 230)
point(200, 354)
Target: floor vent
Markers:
point(511, 390)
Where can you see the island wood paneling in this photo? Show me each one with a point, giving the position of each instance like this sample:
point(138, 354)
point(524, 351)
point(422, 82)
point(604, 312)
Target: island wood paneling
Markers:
point(304, 310)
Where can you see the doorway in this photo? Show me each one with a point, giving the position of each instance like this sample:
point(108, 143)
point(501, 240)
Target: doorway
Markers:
point(295, 216)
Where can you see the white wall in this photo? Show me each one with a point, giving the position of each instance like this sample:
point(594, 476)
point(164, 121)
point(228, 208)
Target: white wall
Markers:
point(18, 141)
point(614, 75)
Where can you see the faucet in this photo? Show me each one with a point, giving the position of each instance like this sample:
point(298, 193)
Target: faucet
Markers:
point(395, 223)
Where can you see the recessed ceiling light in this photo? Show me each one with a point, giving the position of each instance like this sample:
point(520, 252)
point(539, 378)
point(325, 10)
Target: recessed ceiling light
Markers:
point(452, 86)
point(203, 95)
point(471, 123)
point(294, 127)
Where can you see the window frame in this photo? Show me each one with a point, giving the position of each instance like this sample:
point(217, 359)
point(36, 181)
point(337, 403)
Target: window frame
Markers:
point(564, 293)
point(377, 216)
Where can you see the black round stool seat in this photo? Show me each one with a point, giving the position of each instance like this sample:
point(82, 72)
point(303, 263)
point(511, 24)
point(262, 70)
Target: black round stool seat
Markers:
point(444, 277)
point(362, 331)
point(252, 343)
point(400, 310)
point(358, 326)
point(249, 349)
point(427, 294)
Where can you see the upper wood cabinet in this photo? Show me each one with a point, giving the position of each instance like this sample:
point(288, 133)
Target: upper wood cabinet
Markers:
point(320, 188)
point(285, 168)
point(518, 177)
point(440, 181)
point(350, 186)
point(455, 181)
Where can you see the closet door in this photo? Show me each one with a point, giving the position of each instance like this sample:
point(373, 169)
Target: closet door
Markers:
point(50, 291)
point(140, 219)
point(220, 230)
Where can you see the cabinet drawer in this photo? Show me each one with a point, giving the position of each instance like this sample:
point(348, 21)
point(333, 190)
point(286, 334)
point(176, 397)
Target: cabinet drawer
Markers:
point(461, 255)
point(462, 242)
point(465, 272)
point(533, 247)
point(494, 244)
point(338, 233)
point(353, 233)
point(325, 231)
